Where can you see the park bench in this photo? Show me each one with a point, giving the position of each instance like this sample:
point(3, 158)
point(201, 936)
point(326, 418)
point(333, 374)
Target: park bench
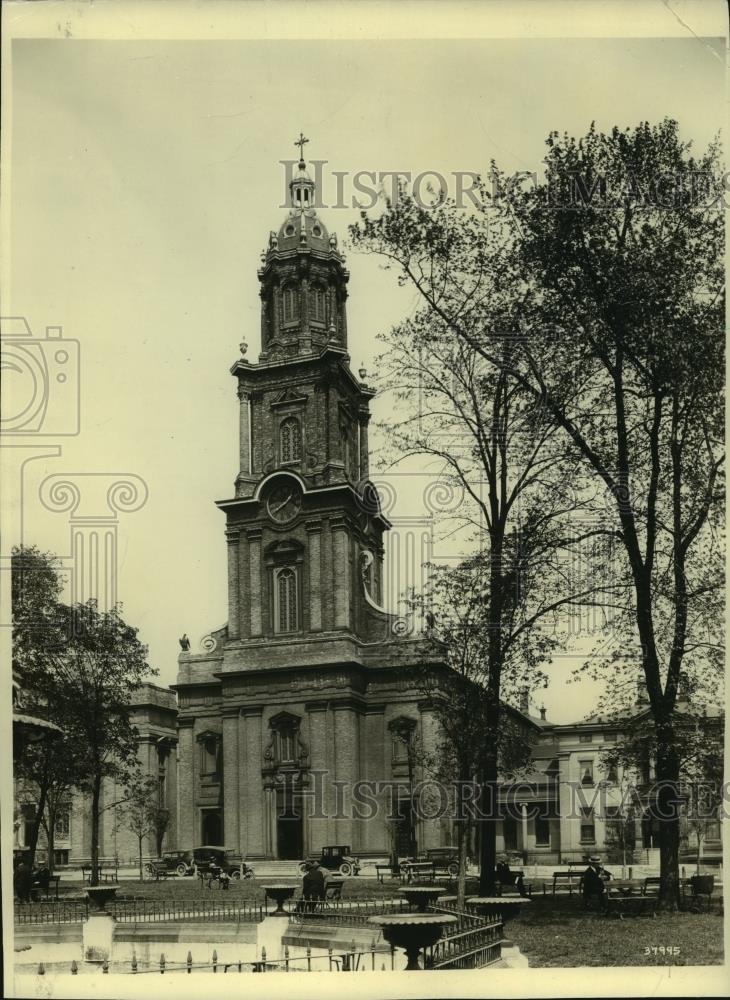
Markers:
point(158, 870)
point(418, 869)
point(108, 869)
point(628, 896)
point(44, 881)
point(509, 883)
point(381, 870)
point(702, 887)
point(570, 877)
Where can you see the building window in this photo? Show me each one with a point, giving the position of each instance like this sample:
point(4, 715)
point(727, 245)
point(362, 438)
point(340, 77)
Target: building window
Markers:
point(319, 305)
point(290, 305)
point(585, 738)
point(209, 755)
point(285, 746)
point(286, 611)
point(62, 826)
point(542, 831)
point(402, 732)
point(587, 826)
point(612, 774)
point(290, 438)
point(401, 747)
point(609, 737)
point(586, 772)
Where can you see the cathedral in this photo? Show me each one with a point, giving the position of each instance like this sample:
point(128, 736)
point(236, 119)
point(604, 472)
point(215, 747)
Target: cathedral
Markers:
point(308, 698)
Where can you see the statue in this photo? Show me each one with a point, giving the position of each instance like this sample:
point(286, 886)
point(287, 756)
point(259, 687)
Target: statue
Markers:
point(184, 643)
point(243, 347)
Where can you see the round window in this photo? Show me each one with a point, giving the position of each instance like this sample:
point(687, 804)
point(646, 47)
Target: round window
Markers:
point(289, 230)
point(317, 231)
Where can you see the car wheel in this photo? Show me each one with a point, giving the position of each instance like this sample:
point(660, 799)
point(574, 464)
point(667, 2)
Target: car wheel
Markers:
point(302, 867)
point(345, 868)
point(248, 873)
point(236, 874)
point(453, 870)
point(148, 869)
point(181, 869)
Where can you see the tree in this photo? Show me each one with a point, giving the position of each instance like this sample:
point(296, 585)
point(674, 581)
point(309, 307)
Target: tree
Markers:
point(605, 281)
point(141, 813)
point(102, 666)
point(521, 480)
point(46, 770)
point(470, 738)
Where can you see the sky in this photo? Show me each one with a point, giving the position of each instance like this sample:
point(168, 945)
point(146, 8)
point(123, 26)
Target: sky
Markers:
point(145, 178)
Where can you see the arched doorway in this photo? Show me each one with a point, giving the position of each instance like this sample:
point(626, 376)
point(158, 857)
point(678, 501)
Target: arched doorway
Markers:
point(212, 828)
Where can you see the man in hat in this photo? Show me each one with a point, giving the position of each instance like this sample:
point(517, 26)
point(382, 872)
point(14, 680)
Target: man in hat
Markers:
point(594, 879)
point(313, 882)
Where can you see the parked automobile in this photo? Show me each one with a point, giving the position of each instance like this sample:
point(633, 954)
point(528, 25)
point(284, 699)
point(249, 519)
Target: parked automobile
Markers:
point(335, 859)
point(180, 862)
point(445, 857)
point(227, 860)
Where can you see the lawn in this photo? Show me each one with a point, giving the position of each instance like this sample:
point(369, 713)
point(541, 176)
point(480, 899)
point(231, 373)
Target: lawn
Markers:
point(552, 931)
point(557, 932)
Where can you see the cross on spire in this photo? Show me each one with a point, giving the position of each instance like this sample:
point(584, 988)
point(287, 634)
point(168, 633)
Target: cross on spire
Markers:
point(301, 142)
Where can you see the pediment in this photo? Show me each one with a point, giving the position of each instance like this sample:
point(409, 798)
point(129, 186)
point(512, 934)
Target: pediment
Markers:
point(289, 397)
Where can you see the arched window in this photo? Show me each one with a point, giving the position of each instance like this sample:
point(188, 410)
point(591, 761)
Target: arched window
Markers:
point(319, 305)
point(290, 440)
point(290, 304)
point(286, 610)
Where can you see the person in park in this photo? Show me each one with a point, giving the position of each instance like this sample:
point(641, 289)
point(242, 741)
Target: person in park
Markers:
point(594, 879)
point(506, 877)
point(313, 885)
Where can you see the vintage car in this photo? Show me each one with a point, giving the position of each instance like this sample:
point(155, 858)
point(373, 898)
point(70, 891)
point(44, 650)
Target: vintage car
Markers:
point(445, 858)
point(335, 859)
point(177, 862)
point(223, 858)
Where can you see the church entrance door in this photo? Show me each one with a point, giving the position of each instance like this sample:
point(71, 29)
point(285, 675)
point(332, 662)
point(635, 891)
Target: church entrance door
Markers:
point(212, 828)
point(289, 825)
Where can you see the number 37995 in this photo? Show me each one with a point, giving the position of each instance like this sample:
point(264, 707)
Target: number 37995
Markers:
point(669, 949)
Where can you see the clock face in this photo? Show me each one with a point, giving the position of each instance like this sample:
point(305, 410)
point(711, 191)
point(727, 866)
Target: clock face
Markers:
point(284, 503)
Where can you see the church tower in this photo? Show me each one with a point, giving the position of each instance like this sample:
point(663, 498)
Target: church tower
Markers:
point(308, 689)
point(305, 522)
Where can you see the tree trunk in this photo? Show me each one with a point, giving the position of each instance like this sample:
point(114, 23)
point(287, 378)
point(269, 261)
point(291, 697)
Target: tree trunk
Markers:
point(95, 815)
point(667, 773)
point(488, 840)
point(462, 833)
point(51, 811)
point(139, 840)
point(36, 828)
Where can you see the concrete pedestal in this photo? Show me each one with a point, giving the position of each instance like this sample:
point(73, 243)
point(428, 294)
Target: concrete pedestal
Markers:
point(97, 936)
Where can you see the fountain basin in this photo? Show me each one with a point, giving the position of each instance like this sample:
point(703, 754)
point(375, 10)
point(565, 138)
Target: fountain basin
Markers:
point(506, 907)
point(413, 931)
point(421, 895)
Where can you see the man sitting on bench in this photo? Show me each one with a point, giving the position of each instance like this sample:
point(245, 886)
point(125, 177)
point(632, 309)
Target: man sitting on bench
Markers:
point(594, 879)
point(505, 877)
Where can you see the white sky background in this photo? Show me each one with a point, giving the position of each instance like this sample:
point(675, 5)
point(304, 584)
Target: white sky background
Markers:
point(145, 180)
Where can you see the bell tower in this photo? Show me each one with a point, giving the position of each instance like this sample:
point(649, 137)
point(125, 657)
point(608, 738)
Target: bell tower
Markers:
point(303, 279)
point(304, 528)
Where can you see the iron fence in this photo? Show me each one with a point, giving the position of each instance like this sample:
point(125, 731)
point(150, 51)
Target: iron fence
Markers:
point(63, 911)
point(352, 960)
point(140, 910)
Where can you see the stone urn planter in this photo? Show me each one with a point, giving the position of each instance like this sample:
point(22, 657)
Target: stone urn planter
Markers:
point(421, 895)
point(413, 931)
point(279, 894)
point(100, 895)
